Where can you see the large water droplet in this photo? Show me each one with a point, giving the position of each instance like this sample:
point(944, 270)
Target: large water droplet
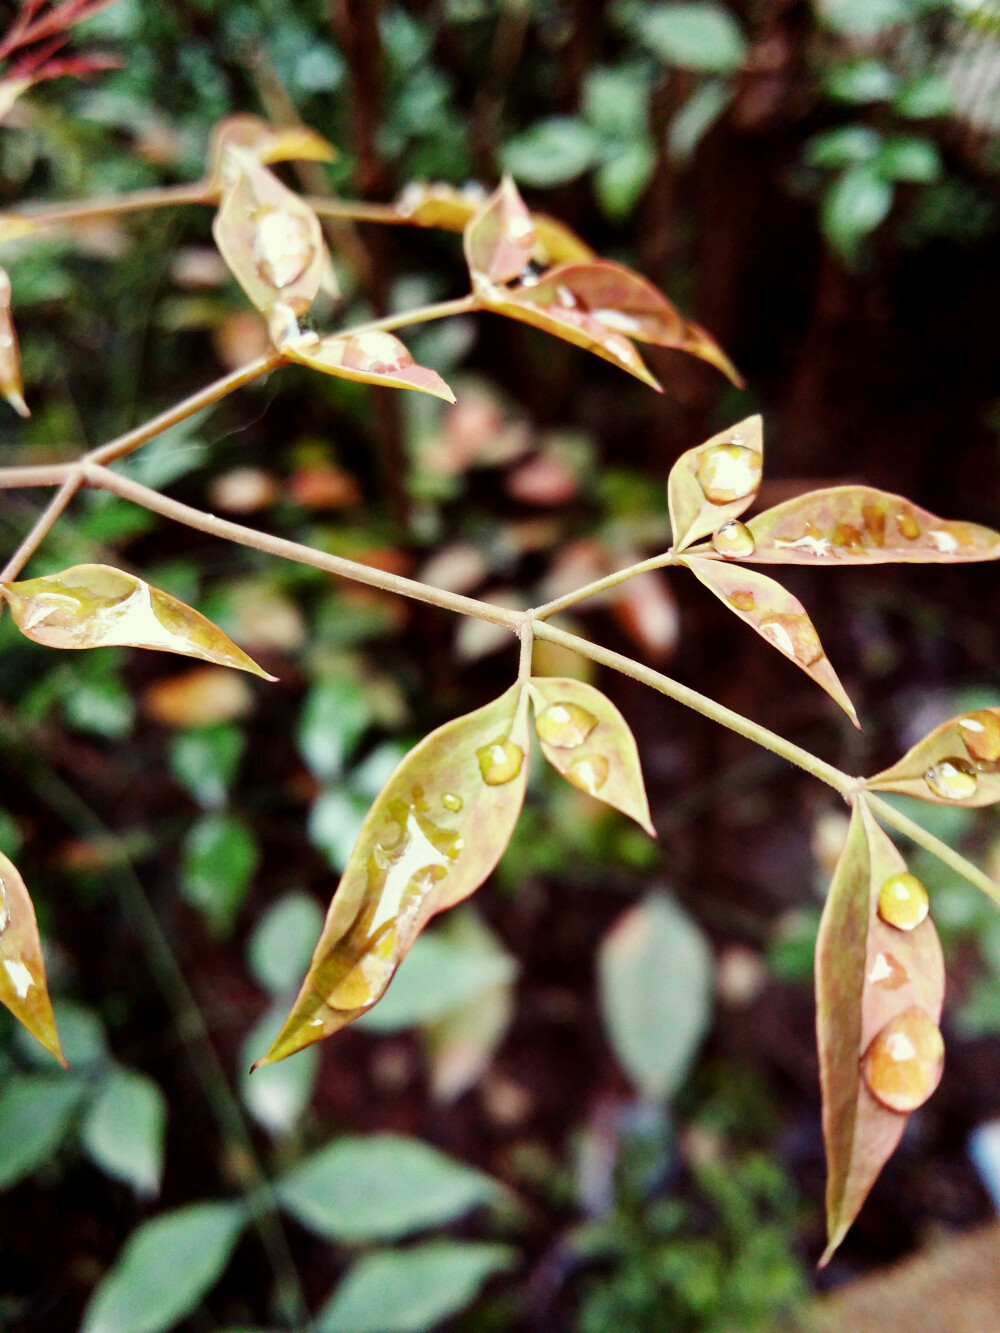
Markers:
point(733, 540)
point(888, 972)
point(589, 772)
point(451, 801)
point(564, 725)
point(793, 634)
point(728, 472)
point(908, 525)
point(952, 779)
point(20, 976)
point(500, 762)
point(981, 734)
point(904, 1062)
point(903, 902)
point(743, 601)
point(282, 247)
point(376, 353)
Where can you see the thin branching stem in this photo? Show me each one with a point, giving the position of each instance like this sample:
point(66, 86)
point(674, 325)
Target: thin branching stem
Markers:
point(604, 584)
point(888, 814)
point(43, 525)
point(527, 636)
point(46, 474)
point(462, 305)
point(89, 210)
point(353, 210)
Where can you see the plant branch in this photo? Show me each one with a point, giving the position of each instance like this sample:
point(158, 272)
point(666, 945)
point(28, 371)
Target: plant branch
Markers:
point(42, 525)
point(717, 712)
point(602, 585)
point(462, 305)
point(354, 210)
point(527, 637)
point(918, 834)
point(87, 210)
point(47, 474)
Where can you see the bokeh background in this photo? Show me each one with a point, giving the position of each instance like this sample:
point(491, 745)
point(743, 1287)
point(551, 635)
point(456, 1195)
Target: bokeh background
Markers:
point(599, 1078)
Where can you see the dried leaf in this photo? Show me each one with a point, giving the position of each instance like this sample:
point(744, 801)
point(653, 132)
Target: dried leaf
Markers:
point(869, 974)
point(96, 606)
point(272, 242)
point(863, 526)
point(716, 481)
point(625, 302)
point(264, 144)
point(776, 615)
point(11, 384)
point(435, 832)
point(958, 763)
point(500, 237)
point(23, 988)
point(586, 739)
point(375, 357)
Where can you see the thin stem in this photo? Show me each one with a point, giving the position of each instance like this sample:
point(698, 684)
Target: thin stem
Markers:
point(462, 305)
point(918, 834)
point(354, 210)
point(48, 474)
point(125, 444)
point(42, 526)
point(753, 731)
point(303, 555)
point(85, 210)
point(602, 585)
point(527, 637)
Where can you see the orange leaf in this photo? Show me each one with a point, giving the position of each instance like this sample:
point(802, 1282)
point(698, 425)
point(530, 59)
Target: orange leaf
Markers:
point(958, 763)
point(375, 357)
point(500, 238)
point(716, 481)
point(11, 384)
point(23, 988)
point(776, 615)
point(263, 143)
point(879, 992)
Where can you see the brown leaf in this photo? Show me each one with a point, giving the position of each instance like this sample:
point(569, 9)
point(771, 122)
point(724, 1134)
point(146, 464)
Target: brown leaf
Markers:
point(863, 526)
point(264, 144)
point(716, 481)
point(500, 238)
point(439, 826)
point(958, 763)
point(870, 975)
point(586, 739)
point(96, 606)
point(776, 615)
point(272, 242)
point(11, 384)
point(23, 988)
point(375, 357)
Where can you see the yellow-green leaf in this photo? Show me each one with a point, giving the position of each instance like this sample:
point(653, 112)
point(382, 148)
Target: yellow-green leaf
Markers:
point(776, 615)
point(716, 481)
point(958, 763)
point(11, 384)
point(436, 831)
point(586, 739)
point(375, 357)
point(23, 988)
point(264, 143)
point(97, 606)
point(500, 238)
point(872, 980)
point(13, 227)
point(863, 526)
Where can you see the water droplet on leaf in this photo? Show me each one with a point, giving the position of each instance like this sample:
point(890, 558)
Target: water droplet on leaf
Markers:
point(743, 601)
point(452, 802)
point(981, 734)
point(874, 521)
point(887, 972)
point(282, 247)
point(728, 472)
point(904, 1062)
point(589, 773)
point(500, 762)
point(733, 540)
point(952, 779)
point(565, 725)
point(793, 635)
point(903, 902)
point(846, 534)
point(908, 525)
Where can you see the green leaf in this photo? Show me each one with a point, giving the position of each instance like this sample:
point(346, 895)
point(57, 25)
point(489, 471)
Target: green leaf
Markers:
point(842, 147)
point(413, 1290)
point(702, 37)
point(277, 1095)
point(615, 100)
point(124, 1128)
point(436, 831)
point(380, 1187)
point(925, 98)
point(696, 117)
point(335, 716)
point(23, 986)
point(36, 1115)
point(621, 181)
point(204, 761)
point(655, 974)
point(551, 152)
point(335, 821)
point(165, 1269)
point(864, 18)
point(908, 158)
point(283, 941)
point(220, 859)
point(861, 81)
point(854, 205)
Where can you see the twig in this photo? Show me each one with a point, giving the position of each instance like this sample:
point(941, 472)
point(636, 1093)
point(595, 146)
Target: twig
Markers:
point(918, 834)
point(86, 210)
point(602, 585)
point(42, 526)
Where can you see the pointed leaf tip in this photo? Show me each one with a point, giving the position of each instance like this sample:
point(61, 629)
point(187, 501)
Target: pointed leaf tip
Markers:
point(375, 357)
point(23, 986)
point(11, 383)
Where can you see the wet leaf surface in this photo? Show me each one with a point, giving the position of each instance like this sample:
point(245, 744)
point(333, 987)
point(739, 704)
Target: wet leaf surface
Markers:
point(23, 988)
point(958, 763)
point(500, 238)
point(433, 835)
point(263, 143)
point(715, 482)
point(375, 357)
point(97, 606)
point(11, 383)
point(879, 992)
point(585, 738)
point(776, 615)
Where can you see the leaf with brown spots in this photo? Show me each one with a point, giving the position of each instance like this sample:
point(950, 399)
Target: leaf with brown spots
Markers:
point(958, 763)
point(375, 357)
point(879, 992)
point(715, 482)
point(776, 615)
point(23, 988)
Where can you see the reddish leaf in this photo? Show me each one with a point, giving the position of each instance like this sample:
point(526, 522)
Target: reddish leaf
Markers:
point(870, 975)
point(716, 481)
point(375, 357)
point(439, 826)
point(864, 526)
point(776, 615)
point(23, 988)
point(263, 143)
point(96, 606)
point(500, 238)
point(586, 739)
point(958, 763)
point(11, 384)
